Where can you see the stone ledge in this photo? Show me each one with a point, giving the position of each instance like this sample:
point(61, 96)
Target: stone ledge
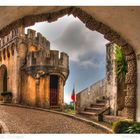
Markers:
point(65, 114)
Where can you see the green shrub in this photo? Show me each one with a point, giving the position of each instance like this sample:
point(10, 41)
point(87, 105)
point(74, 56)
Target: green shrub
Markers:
point(6, 93)
point(69, 106)
point(134, 128)
point(121, 126)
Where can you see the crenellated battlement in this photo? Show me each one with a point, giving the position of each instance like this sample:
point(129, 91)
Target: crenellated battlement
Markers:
point(8, 38)
point(34, 52)
point(37, 39)
point(49, 62)
point(32, 37)
point(52, 58)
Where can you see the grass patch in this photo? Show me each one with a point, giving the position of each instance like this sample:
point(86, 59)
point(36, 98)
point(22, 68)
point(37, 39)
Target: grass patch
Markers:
point(70, 111)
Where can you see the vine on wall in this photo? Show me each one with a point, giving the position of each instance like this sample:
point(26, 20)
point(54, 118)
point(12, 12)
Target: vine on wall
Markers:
point(121, 63)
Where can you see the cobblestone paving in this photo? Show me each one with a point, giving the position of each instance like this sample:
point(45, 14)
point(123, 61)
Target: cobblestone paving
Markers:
point(21, 120)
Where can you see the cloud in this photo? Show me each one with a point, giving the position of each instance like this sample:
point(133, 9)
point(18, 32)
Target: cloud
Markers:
point(83, 46)
point(52, 30)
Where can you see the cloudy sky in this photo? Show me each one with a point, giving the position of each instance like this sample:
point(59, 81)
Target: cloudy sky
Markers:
point(86, 50)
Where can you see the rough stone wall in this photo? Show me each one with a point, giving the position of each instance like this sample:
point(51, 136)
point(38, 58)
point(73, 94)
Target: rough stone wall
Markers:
point(27, 90)
point(89, 95)
point(9, 58)
point(111, 81)
point(35, 92)
point(116, 91)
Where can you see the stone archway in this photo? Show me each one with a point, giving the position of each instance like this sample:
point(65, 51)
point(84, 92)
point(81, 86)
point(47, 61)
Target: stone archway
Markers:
point(111, 35)
point(3, 78)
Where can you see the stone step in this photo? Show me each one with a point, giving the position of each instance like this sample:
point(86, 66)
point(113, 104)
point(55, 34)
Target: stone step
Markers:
point(93, 109)
point(99, 105)
point(88, 113)
point(100, 101)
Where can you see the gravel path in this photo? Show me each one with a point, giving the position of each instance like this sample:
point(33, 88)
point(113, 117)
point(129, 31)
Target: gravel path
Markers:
point(21, 120)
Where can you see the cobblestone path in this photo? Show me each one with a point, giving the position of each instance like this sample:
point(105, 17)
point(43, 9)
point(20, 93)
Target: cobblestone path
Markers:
point(21, 120)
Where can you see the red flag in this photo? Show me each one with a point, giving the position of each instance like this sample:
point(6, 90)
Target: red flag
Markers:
point(73, 95)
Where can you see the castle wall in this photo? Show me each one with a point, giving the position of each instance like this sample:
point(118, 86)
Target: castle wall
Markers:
point(9, 58)
point(28, 96)
point(89, 95)
point(36, 92)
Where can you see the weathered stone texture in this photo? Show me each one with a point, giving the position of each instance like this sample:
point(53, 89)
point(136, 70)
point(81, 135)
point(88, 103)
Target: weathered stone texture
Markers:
point(131, 89)
point(130, 101)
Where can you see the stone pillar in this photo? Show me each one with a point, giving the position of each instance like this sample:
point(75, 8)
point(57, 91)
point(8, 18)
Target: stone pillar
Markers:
point(47, 92)
point(111, 79)
point(61, 93)
point(130, 99)
point(19, 55)
point(37, 89)
point(15, 76)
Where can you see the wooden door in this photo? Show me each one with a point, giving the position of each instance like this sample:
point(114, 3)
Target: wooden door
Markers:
point(53, 90)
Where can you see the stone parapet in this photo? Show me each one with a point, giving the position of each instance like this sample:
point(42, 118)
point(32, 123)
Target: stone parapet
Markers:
point(36, 39)
point(31, 38)
point(49, 62)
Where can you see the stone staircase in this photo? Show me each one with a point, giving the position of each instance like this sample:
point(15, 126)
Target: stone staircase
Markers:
point(96, 110)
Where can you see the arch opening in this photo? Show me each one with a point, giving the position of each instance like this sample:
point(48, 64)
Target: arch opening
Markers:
point(91, 23)
point(94, 25)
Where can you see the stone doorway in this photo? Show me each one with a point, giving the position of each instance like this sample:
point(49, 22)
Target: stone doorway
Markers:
point(54, 90)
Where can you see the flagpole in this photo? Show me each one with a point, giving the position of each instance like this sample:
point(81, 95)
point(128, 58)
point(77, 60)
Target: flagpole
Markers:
point(73, 97)
point(74, 100)
point(75, 104)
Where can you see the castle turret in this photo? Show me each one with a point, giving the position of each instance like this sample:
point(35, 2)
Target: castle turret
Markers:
point(36, 75)
point(47, 68)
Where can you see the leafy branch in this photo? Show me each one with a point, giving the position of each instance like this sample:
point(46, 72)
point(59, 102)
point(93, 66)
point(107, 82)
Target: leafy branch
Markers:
point(121, 63)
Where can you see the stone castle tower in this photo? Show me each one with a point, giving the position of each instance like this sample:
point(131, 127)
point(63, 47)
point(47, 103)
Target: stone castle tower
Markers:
point(33, 73)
